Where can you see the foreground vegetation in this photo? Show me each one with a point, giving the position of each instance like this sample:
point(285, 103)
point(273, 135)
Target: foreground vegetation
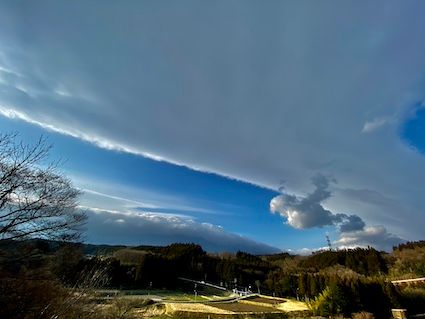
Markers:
point(59, 280)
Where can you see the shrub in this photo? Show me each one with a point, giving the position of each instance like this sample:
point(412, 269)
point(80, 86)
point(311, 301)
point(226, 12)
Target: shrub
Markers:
point(413, 299)
point(329, 302)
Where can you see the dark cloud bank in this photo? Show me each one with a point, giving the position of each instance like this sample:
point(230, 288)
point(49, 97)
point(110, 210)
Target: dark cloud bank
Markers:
point(145, 228)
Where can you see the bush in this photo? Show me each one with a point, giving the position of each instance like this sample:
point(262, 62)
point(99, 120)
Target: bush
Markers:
point(122, 308)
point(329, 302)
point(29, 297)
point(413, 299)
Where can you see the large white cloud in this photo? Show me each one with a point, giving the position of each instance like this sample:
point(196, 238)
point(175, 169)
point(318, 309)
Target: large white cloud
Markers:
point(308, 212)
point(255, 91)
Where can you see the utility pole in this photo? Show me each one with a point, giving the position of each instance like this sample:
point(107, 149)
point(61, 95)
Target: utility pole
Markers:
point(150, 288)
point(329, 242)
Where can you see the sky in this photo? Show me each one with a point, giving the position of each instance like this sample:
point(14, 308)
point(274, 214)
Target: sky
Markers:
point(238, 125)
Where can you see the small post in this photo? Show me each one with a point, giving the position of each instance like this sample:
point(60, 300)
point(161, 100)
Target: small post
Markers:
point(399, 313)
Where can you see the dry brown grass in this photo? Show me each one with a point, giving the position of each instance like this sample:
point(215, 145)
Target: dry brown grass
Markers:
point(293, 305)
point(193, 307)
point(243, 307)
point(363, 315)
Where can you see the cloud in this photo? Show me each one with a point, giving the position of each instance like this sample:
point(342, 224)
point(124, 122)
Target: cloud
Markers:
point(375, 124)
point(375, 236)
point(308, 212)
point(369, 196)
point(152, 228)
point(110, 195)
point(352, 223)
point(291, 207)
point(12, 113)
point(258, 94)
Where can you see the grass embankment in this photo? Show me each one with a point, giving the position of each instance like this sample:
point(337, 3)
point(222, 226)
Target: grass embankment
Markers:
point(253, 304)
point(283, 304)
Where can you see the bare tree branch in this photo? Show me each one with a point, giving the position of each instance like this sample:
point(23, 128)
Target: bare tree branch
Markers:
point(35, 199)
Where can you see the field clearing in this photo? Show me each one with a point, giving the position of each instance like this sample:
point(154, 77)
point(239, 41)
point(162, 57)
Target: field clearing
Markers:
point(243, 307)
point(182, 302)
point(292, 305)
point(194, 307)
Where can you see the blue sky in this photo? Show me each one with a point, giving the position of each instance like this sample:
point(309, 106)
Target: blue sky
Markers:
point(413, 130)
point(238, 125)
point(239, 207)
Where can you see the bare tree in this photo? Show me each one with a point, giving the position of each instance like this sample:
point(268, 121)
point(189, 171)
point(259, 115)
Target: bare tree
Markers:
point(35, 200)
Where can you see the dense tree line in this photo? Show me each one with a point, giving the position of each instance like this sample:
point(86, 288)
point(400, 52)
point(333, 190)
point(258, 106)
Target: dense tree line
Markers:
point(410, 245)
point(162, 267)
point(408, 261)
point(363, 261)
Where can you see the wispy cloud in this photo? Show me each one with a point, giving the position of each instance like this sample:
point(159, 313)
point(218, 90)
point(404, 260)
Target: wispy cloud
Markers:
point(118, 198)
point(106, 194)
point(375, 124)
point(12, 113)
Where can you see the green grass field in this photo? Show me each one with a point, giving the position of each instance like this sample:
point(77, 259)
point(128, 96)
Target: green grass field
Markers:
point(158, 294)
